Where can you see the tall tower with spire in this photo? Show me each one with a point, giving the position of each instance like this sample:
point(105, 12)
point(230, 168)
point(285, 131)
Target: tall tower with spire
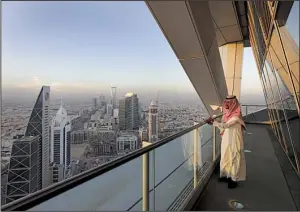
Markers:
point(60, 153)
point(153, 122)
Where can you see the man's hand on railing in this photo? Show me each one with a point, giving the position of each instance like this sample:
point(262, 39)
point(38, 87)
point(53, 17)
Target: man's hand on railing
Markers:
point(209, 121)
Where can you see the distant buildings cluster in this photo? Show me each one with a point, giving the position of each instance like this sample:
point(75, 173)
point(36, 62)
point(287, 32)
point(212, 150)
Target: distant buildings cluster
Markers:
point(42, 156)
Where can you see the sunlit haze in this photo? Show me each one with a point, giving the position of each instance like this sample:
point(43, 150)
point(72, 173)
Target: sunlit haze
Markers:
point(80, 49)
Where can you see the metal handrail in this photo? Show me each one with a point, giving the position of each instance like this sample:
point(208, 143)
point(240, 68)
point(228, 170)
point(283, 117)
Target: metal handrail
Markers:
point(51, 191)
point(247, 105)
point(283, 99)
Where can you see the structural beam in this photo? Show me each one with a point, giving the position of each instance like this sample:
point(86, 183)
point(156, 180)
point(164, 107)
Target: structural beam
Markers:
point(189, 28)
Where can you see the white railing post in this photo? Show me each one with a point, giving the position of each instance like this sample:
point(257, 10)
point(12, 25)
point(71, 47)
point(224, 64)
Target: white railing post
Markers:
point(145, 178)
point(214, 143)
point(196, 157)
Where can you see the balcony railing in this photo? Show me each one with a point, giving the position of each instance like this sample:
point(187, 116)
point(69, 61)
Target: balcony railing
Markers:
point(250, 116)
point(251, 113)
point(161, 176)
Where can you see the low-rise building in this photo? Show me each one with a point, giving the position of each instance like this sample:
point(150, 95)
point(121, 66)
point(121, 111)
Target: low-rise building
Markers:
point(79, 137)
point(57, 173)
point(102, 141)
point(127, 142)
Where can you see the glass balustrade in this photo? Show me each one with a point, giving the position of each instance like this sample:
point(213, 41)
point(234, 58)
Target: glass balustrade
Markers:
point(116, 189)
point(172, 166)
point(254, 113)
point(174, 170)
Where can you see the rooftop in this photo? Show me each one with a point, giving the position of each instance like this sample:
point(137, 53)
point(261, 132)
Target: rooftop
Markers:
point(130, 94)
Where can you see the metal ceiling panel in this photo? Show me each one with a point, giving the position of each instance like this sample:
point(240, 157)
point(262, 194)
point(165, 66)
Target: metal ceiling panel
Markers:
point(175, 22)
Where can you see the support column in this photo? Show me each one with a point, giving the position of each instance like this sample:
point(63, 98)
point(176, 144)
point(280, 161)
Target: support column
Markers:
point(145, 191)
point(196, 157)
point(232, 60)
point(214, 144)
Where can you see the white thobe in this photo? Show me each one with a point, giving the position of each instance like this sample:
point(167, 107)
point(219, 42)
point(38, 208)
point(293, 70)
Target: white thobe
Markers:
point(232, 162)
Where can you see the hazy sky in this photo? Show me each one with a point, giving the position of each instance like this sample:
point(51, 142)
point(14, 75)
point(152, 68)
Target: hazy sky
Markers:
point(84, 47)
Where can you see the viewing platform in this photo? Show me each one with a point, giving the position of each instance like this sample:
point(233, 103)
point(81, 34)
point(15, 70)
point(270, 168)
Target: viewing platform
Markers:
point(271, 184)
point(185, 170)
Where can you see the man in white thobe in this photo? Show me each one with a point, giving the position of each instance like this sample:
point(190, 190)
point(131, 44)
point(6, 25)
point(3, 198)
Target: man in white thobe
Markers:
point(232, 164)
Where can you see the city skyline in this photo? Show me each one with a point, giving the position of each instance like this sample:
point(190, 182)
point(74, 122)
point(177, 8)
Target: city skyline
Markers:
point(87, 87)
point(68, 46)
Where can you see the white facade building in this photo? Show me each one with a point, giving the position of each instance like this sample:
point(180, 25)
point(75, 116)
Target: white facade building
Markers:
point(127, 142)
point(61, 139)
point(143, 134)
point(116, 113)
point(114, 97)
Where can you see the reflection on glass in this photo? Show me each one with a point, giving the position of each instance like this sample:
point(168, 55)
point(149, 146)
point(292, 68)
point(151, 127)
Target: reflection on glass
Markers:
point(273, 105)
point(290, 47)
point(171, 171)
point(282, 70)
point(283, 55)
point(117, 189)
point(174, 167)
point(293, 22)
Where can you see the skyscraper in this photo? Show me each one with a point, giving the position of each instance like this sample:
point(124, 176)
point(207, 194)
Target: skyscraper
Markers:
point(60, 139)
point(101, 100)
point(38, 125)
point(153, 122)
point(95, 103)
point(110, 109)
point(128, 112)
point(114, 97)
point(23, 170)
point(29, 165)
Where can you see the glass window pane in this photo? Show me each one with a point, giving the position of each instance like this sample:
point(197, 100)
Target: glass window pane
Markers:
point(293, 22)
point(284, 57)
point(284, 111)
